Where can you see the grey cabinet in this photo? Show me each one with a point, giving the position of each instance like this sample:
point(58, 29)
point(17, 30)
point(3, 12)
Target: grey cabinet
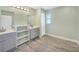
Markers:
point(0, 46)
point(34, 33)
point(7, 41)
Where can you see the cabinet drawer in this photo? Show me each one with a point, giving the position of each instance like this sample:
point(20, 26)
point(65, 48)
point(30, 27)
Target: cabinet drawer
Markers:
point(6, 36)
point(7, 41)
point(9, 44)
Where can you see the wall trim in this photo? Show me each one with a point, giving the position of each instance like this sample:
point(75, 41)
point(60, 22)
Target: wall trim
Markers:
point(64, 38)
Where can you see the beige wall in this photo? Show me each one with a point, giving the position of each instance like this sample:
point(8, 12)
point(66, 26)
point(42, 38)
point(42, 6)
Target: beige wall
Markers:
point(38, 15)
point(78, 23)
point(64, 22)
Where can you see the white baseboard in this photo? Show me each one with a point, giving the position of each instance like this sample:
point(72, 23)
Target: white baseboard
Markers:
point(41, 36)
point(64, 38)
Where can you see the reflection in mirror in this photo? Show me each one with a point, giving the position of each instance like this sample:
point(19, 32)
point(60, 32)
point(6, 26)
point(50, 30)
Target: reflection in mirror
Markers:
point(29, 20)
point(6, 21)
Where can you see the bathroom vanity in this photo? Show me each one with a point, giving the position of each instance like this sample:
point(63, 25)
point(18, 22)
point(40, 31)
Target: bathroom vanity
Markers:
point(34, 32)
point(7, 41)
point(23, 31)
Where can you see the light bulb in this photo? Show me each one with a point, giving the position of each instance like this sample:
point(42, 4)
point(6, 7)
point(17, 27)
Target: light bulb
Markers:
point(18, 7)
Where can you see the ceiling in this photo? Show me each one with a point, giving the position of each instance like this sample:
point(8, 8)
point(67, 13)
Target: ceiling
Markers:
point(44, 7)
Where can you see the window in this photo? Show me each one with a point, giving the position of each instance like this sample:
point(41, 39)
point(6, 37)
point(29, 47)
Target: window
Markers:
point(48, 18)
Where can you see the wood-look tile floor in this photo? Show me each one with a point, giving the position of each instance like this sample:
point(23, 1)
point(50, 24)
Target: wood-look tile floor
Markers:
point(48, 44)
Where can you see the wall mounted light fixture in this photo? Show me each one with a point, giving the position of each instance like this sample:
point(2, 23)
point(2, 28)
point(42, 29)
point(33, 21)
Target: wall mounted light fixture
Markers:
point(22, 8)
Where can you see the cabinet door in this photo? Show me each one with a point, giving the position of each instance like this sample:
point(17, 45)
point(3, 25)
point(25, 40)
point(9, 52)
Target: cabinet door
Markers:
point(7, 45)
point(10, 42)
point(32, 34)
point(0, 46)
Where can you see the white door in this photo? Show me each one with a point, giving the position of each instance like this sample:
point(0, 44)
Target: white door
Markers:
point(42, 24)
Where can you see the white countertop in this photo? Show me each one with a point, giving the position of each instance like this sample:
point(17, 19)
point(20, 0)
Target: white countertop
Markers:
point(34, 27)
point(7, 31)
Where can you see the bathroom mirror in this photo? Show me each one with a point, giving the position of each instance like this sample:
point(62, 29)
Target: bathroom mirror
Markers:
point(30, 20)
point(6, 21)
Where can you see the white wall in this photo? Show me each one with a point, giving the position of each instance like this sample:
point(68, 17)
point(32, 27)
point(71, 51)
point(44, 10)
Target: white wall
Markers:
point(63, 22)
